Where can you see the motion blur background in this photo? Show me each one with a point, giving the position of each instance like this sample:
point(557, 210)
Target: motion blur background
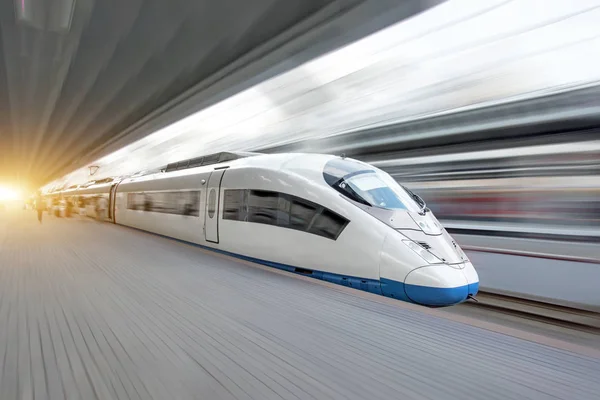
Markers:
point(495, 124)
point(490, 110)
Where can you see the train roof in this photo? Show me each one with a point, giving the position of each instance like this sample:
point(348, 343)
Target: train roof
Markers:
point(209, 159)
point(309, 165)
point(280, 161)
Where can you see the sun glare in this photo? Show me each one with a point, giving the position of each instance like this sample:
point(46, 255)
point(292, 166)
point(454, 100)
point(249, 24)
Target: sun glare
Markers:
point(9, 194)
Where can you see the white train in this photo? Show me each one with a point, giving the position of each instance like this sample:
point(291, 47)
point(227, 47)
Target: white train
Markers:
point(328, 217)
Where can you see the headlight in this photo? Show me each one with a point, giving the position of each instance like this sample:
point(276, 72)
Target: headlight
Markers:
point(428, 223)
point(430, 227)
point(424, 254)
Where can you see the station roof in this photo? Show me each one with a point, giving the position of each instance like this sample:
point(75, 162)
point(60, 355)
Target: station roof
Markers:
point(77, 76)
point(454, 73)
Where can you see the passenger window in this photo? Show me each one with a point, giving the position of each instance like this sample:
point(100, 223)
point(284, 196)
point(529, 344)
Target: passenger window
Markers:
point(179, 203)
point(234, 204)
point(263, 207)
point(301, 214)
point(191, 203)
point(328, 224)
point(282, 210)
point(212, 201)
point(147, 202)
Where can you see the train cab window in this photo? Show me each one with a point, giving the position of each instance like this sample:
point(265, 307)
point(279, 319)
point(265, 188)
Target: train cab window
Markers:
point(212, 203)
point(338, 168)
point(365, 185)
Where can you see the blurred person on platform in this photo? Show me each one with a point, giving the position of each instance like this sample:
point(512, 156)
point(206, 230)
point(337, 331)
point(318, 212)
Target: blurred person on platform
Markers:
point(40, 206)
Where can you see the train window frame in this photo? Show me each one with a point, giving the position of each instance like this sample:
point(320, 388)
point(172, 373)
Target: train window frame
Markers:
point(241, 212)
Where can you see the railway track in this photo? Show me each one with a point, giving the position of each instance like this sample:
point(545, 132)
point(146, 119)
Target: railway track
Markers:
point(567, 317)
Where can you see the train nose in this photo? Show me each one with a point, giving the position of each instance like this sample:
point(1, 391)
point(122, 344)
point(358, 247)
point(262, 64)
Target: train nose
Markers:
point(437, 285)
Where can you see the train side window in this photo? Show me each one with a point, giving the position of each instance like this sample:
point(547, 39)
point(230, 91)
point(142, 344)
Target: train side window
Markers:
point(191, 203)
point(147, 202)
point(179, 203)
point(235, 204)
point(263, 207)
point(301, 214)
point(212, 202)
point(328, 224)
point(282, 210)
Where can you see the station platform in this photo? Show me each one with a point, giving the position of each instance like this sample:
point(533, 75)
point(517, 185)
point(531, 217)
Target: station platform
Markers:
point(93, 310)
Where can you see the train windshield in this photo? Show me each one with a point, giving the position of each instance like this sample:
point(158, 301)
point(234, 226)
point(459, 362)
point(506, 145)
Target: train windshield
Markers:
point(380, 190)
point(361, 183)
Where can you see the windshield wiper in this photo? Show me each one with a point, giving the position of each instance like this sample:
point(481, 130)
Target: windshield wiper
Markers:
point(421, 204)
point(419, 200)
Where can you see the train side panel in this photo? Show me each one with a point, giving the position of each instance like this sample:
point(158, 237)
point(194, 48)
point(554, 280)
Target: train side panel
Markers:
point(354, 253)
point(172, 219)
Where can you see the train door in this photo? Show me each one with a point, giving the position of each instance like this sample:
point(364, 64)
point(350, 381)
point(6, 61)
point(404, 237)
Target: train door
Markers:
point(211, 216)
point(111, 202)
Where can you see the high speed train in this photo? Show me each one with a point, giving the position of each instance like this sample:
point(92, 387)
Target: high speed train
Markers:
point(329, 217)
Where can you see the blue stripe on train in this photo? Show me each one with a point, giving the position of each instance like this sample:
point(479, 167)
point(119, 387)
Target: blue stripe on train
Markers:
point(431, 296)
point(424, 295)
point(369, 285)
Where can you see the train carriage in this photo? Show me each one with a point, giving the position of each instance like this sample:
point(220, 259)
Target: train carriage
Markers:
point(329, 217)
